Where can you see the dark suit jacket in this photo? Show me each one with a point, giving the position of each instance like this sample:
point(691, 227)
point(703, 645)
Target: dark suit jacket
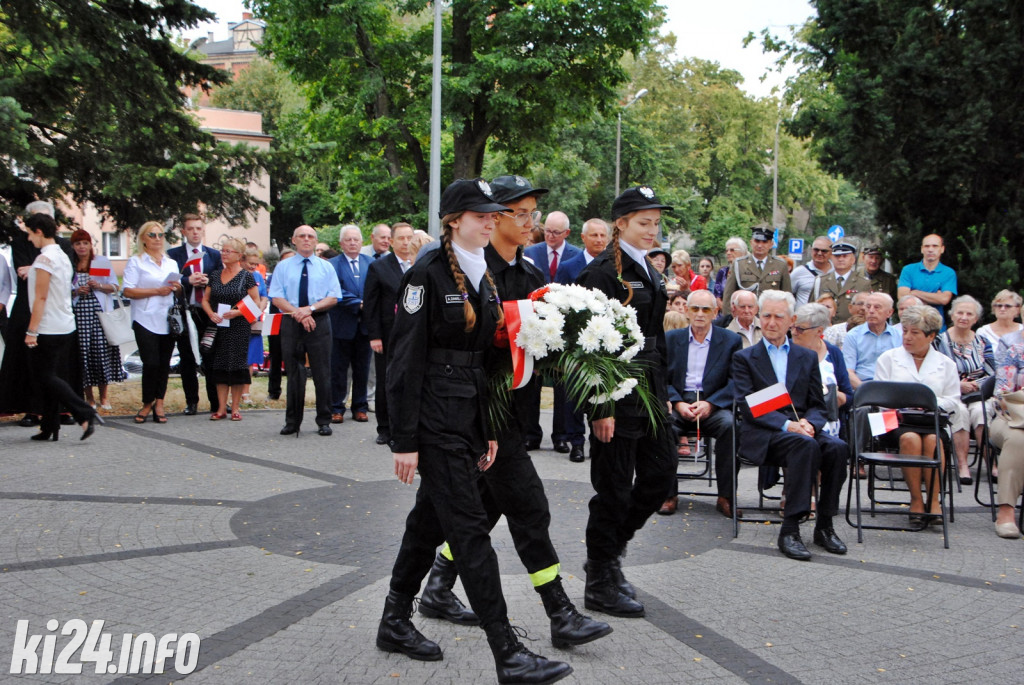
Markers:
point(211, 261)
point(380, 295)
point(346, 316)
point(539, 254)
point(717, 383)
point(569, 269)
point(752, 371)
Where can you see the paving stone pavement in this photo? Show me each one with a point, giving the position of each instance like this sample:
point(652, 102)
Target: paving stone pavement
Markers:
point(276, 553)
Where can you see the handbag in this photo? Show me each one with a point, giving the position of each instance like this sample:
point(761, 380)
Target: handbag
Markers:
point(209, 335)
point(1013, 408)
point(117, 323)
point(919, 418)
point(175, 319)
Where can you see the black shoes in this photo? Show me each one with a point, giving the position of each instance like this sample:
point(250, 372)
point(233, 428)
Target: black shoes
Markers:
point(274, 396)
point(382, 439)
point(562, 447)
point(827, 538)
point(438, 600)
point(190, 410)
point(289, 430)
point(604, 593)
point(396, 633)
point(90, 427)
point(568, 626)
point(28, 420)
point(514, 663)
point(67, 420)
point(325, 430)
point(532, 445)
point(576, 454)
point(792, 546)
point(44, 436)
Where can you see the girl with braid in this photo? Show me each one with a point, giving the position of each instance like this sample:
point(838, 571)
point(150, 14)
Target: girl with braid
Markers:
point(632, 460)
point(444, 329)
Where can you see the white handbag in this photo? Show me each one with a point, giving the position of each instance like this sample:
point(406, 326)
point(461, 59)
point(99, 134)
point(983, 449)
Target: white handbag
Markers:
point(117, 323)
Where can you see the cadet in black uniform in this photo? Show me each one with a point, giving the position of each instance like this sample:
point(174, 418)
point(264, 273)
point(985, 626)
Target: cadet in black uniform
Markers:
point(624, 443)
point(444, 329)
point(512, 486)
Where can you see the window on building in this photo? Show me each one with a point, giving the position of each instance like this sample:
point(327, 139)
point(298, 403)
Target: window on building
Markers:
point(113, 245)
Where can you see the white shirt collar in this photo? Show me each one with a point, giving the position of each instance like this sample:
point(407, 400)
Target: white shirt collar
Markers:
point(473, 263)
point(639, 256)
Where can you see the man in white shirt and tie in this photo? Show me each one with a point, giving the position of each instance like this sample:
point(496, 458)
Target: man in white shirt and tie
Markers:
point(195, 262)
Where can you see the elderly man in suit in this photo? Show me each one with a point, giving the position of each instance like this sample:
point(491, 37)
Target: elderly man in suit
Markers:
point(380, 297)
point(791, 437)
point(196, 262)
point(351, 342)
point(700, 389)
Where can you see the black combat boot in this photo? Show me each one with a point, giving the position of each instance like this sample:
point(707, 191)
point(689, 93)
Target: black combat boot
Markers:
point(438, 600)
point(396, 633)
point(620, 580)
point(568, 626)
point(603, 594)
point(516, 664)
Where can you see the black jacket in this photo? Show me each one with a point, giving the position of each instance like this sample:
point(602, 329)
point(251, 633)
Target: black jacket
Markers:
point(380, 295)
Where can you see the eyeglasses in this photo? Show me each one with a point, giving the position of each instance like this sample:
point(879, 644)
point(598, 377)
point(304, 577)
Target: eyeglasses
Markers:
point(820, 250)
point(522, 218)
point(223, 251)
point(154, 235)
point(1003, 305)
point(802, 329)
point(551, 231)
point(695, 309)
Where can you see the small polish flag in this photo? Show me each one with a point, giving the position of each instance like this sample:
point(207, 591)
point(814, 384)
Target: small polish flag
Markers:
point(250, 309)
point(195, 264)
point(884, 421)
point(768, 400)
point(272, 324)
point(99, 269)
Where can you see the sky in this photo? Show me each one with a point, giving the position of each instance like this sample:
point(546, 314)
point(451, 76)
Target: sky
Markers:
point(708, 29)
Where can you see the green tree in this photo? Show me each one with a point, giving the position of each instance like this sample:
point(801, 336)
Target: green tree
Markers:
point(514, 75)
point(91, 107)
point(921, 106)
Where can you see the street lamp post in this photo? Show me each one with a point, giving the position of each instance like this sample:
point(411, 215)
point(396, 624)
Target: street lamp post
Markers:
point(618, 138)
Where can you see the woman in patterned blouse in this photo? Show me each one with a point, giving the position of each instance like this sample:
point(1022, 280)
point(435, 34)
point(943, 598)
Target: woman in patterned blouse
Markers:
point(1009, 378)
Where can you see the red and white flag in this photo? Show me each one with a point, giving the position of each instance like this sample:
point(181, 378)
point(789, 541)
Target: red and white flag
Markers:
point(99, 269)
point(884, 421)
point(272, 324)
point(770, 399)
point(522, 364)
point(195, 264)
point(250, 309)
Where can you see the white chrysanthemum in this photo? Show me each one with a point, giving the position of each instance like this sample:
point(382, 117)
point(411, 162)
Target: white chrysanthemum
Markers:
point(558, 298)
point(630, 352)
point(545, 309)
point(589, 340)
point(625, 387)
point(612, 340)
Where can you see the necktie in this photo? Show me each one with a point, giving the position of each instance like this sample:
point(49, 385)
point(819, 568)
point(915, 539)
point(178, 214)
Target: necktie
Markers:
point(197, 292)
point(304, 284)
point(405, 265)
point(760, 265)
point(839, 280)
point(376, 255)
point(553, 267)
point(355, 267)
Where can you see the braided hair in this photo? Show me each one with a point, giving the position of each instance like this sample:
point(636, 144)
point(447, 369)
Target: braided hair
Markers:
point(460, 276)
point(617, 251)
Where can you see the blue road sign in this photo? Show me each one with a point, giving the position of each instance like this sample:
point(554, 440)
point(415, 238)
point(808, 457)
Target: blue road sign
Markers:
point(835, 233)
point(796, 246)
point(775, 240)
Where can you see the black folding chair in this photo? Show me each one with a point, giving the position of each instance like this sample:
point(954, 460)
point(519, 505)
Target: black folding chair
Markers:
point(874, 395)
point(986, 450)
point(699, 465)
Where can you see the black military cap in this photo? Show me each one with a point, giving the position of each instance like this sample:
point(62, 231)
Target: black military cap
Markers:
point(842, 247)
point(512, 188)
point(468, 195)
point(762, 233)
point(874, 249)
point(634, 200)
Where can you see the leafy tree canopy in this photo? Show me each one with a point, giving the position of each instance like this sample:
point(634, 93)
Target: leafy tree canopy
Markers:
point(91, 107)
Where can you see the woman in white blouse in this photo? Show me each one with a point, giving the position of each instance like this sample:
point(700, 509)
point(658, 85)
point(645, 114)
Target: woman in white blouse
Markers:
point(918, 362)
point(51, 329)
point(151, 280)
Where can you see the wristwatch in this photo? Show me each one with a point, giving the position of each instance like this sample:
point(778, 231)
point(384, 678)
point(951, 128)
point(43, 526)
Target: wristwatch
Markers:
point(312, 308)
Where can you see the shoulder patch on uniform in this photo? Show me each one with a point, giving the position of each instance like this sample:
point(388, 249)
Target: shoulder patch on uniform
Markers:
point(455, 298)
point(413, 298)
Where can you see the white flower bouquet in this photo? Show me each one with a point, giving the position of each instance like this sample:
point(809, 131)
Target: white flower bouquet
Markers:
point(583, 339)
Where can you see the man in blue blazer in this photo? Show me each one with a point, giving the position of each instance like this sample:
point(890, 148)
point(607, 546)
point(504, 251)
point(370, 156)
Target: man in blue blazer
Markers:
point(351, 342)
point(195, 262)
point(595, 239)
point(700, 388)
point(791, 436)
point(547, 256)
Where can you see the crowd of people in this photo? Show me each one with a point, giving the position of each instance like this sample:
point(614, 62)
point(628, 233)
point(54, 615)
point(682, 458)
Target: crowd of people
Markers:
point(423, 315)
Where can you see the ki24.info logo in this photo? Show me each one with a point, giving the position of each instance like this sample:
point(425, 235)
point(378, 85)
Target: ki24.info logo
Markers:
point(88, 644)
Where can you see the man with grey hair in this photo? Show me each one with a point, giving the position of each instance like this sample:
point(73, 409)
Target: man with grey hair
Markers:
point(744, 317)
point(905, 302)
point(836, 334)
point(866, 342)
point(791, 437)
point(380, 242)
point(803, 276)
point(734, 247)
point(350, 345)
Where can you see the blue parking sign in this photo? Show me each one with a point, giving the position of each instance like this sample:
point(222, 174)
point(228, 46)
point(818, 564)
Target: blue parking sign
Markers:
point(796, 246)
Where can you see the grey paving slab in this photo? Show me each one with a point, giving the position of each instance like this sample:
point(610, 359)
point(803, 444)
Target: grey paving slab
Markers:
point(277, 552)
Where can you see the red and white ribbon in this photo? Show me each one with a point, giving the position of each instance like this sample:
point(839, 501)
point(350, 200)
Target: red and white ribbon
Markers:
point(516, 311)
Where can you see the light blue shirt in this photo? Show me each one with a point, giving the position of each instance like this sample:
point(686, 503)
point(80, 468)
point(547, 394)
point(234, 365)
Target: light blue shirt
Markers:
point(696, 360)
point(322, 278)
point(779, 357)
point(862, 348)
